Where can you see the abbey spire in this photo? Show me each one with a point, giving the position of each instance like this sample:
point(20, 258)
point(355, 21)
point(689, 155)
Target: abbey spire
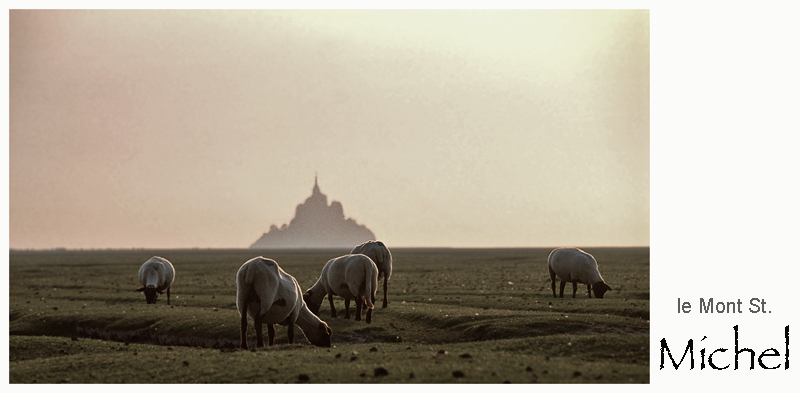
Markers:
point(317, 198)
point(316, 186)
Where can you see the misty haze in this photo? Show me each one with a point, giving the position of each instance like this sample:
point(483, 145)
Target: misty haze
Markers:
point(434, 128)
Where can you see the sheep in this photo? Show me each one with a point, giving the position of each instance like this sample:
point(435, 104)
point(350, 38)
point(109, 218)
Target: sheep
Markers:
point(270, 296)
point(379, 254)
point(352, 276)
point(575, 265)
point(156, 275)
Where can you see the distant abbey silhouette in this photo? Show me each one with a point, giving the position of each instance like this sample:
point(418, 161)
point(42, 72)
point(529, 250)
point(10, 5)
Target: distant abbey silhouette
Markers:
point(316, 225)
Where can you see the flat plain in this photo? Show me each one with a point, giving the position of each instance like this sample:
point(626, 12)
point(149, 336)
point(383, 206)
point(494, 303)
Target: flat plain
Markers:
point(455, 316)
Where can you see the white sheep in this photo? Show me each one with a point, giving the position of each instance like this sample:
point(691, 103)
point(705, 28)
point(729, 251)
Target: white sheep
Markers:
point(379, 254)
point(353, 277)
point(576, 266)
point(270, 296)
point(156, 275)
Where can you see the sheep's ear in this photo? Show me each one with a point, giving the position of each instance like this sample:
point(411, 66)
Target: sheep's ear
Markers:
point(140, 289)
point(323, 327)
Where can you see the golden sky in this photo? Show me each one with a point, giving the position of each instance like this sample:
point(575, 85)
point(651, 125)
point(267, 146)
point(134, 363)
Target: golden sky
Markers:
point(432, 128)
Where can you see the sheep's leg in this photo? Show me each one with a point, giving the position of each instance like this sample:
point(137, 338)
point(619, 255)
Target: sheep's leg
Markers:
point(589, 289)
point(243, 330)
point(359, 307)
point(168, 296)
point(385, 292)
point(369, 314)
point(333, 309)
point(347, 309)
point(553, 285)
point(561, 292)
point(259, 332)
point(574, 288)
point(271, 332)
point(290, 332)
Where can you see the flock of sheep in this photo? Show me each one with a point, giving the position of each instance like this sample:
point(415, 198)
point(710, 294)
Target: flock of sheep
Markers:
point(270, 295)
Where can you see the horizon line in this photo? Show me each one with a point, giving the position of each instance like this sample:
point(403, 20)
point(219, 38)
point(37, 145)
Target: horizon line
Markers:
point(11, 249)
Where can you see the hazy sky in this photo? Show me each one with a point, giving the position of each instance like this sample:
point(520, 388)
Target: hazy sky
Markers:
point(432, 128)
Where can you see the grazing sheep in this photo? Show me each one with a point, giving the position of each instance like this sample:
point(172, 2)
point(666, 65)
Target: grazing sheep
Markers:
point(379, 254)
point(576, 266)
point(270, 296)
point(156, 275)
point(352, 276)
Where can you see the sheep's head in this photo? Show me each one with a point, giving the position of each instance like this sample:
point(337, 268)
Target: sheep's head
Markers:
point(322, 338)
point(313, 307)
point(599, 289)
point(150, 293)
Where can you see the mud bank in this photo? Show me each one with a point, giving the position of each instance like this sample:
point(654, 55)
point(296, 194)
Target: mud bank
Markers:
point(147, 336)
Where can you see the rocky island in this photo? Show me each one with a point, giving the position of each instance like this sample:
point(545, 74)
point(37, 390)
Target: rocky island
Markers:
point(316, 224)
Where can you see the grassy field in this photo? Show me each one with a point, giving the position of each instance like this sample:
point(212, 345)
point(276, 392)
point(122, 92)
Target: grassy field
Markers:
point(455, 316)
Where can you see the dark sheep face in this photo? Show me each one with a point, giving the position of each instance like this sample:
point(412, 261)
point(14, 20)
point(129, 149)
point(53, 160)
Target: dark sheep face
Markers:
point(150, 295)
point(600, 289)
point(314, 308)
point(325, 336)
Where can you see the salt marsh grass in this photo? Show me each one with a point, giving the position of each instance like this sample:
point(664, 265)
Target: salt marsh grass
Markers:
point(455, 316)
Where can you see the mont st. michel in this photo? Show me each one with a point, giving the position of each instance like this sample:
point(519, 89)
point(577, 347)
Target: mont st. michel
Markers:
point(316, 224)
